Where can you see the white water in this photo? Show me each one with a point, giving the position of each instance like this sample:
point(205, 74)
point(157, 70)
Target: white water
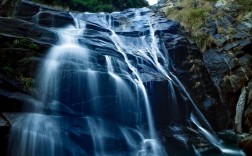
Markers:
point(152, 2)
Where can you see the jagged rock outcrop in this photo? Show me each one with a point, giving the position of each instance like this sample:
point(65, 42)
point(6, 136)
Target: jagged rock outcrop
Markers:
point(230, 60)
point(227, 28)
point(226, 55)
point(191, 70)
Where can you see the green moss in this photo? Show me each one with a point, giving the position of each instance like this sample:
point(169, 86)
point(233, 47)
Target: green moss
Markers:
point(237, 61)
point(24, 43)
point(202, 40)
point(196, 17)
point(192, 18)
point(8, 69)
point(26, 82)
point(192, 15)
point(246, 5)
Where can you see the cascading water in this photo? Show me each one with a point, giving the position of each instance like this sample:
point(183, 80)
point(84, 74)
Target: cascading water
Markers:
point(96, 86)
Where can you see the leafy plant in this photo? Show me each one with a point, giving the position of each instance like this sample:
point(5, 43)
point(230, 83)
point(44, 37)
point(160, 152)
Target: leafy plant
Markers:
point(8, 69)
point(26, 82)
point(95, 5)
point(24, 43)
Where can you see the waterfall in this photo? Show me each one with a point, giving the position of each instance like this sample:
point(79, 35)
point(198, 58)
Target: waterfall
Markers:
point(97, 89)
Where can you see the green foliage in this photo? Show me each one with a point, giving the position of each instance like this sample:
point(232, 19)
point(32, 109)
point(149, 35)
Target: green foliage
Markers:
point(26, 82)
point(24, 43)
point(191, 17)
point(246, 4)
point(197, 17)
point(96, 5)
point(202, 40)
point(8, 69)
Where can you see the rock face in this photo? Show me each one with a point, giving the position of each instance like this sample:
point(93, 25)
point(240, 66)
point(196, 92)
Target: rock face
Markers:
point(191, 70)
point(231, 69)
point(228, 58)
point(22, 46)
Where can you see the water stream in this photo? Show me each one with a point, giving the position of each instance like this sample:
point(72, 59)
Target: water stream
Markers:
point(96, 89)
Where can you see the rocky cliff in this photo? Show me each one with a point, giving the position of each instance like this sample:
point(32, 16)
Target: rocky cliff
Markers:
point(213, 78)
point(223, 31)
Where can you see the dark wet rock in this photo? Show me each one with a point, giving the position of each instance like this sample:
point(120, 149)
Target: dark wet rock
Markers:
point(248, 117)
point(7, 7)
point(223, 22)
point(52, 19)
point(26, 9)
point(34, 12)
point(189, 67)
point(246, 145)
point(245, 42)
point(8, 84)
point(219, 40)
point(229, 46)
point(19, 28)
point(177, 138)
point(208, 103)
point(240, 35)
point(9, 87)
point(230, 74)
point(165, 114)
point(42, 15)
point(213, 30)
point(218, 64)
point(229, 59)
point(210, 22)
point(230, 136)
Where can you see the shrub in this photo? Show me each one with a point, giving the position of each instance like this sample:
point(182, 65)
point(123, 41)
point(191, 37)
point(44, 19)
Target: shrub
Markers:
point(26, 82)
point(96, 5)
point(24, 43)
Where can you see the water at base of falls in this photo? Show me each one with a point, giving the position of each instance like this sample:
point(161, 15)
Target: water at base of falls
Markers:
point(97, 87)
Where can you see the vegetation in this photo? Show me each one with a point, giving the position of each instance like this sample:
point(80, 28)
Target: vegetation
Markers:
point(246, 5)
point(15, 59)
point(96, 5)
point(26, 82)
point(192, 14)
point(24, 43)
